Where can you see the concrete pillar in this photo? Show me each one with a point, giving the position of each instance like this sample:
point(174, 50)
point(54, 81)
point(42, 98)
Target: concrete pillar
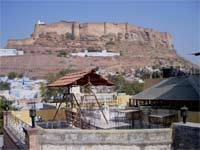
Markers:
point(32, 138)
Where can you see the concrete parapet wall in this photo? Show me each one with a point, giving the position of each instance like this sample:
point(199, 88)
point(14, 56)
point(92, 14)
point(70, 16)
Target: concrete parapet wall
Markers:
point(186, 136)
point(45, 114)
point(105, 139)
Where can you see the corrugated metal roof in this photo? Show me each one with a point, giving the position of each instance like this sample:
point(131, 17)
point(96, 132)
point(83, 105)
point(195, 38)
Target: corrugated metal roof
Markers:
point(81, 78)
point(175, 88)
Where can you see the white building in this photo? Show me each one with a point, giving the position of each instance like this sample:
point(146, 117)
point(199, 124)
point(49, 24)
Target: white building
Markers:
point(10, 52)
point(20, 52)
point(103, 53)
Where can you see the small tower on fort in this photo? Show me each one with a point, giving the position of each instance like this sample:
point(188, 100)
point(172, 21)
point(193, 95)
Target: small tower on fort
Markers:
point(40, 22)
point(36, 29)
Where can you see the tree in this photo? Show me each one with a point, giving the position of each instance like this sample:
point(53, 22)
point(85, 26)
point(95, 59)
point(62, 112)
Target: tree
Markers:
point(3, 103)
point(119, 81)
point(127, 87)
point(62, 53)
point(12, 75)
point(4, 86)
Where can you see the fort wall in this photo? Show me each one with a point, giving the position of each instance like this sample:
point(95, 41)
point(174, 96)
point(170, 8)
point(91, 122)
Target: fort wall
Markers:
point(121, 31)
point(116, 28)
point(94, 29)
point(59, 28)
point(26, 41)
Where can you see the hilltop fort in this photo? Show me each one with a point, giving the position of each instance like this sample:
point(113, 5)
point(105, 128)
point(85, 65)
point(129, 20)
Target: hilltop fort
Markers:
point(105, 31)
point(55, 46)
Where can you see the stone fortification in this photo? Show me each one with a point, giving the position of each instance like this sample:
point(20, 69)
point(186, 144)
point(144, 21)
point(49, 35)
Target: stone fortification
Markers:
point(24, 42)
point(108, 32)
point(138, 47)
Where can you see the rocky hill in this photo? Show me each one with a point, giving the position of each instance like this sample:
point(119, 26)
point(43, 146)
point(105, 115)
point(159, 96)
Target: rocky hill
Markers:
point(48, 48)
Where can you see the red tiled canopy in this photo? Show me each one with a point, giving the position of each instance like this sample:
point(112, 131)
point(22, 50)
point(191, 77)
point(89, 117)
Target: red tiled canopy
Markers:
point(81, 79)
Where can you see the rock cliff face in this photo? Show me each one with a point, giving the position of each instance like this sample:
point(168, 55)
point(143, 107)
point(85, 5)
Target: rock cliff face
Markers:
point(138, 47)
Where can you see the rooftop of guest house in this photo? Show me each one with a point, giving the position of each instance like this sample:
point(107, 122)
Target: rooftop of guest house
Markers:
point(80, 117)
point(90, 113)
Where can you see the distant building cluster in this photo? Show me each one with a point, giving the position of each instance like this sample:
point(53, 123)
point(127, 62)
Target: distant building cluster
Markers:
point(10, 52)
point(103, 53)
point(22, 91)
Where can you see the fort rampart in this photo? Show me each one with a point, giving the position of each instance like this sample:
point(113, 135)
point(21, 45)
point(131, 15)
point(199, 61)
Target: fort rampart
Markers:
point(115, 31)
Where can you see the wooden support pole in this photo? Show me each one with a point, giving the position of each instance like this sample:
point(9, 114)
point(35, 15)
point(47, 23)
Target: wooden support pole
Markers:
point(77, 102)
point(100, 107)
point(57, 111)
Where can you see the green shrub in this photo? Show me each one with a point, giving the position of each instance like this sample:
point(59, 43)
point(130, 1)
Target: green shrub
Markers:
point(12, 75)
point(4, 86)
point(127, 87)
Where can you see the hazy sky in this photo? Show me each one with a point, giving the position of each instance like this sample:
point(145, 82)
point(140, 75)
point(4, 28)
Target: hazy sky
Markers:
point(181, 18)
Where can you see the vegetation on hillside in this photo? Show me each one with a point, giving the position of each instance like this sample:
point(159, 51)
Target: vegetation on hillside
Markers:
point(62, 53)
point(13, 75)
point(125, 86)
point(4, 86)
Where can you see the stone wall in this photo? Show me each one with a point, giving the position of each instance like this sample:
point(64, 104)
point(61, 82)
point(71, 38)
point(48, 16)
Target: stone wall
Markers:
point(147, 139)
point(58, 27)
point(26, 41)
point(114, 31)
point(180, 137)
point(186, 136)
